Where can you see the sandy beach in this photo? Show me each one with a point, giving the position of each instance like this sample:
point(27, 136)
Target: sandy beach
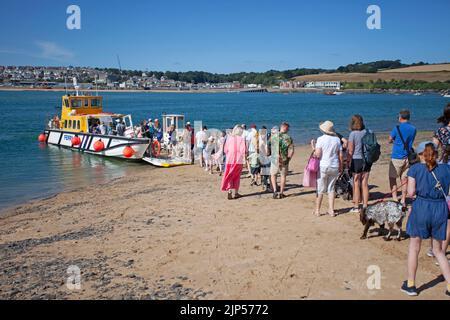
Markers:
point(171, 234)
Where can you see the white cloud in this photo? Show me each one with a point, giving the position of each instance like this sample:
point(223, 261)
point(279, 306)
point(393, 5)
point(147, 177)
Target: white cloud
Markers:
point(46, 50)
point(52, 51)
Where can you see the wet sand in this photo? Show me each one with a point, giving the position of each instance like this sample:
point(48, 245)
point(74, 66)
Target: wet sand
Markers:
point(171, 234)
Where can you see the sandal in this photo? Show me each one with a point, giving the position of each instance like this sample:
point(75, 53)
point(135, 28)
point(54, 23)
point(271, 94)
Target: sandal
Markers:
point(237, 196)
point(230, 196)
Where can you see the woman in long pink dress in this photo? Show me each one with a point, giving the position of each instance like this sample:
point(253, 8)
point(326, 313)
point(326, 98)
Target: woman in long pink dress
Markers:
point(234, 150)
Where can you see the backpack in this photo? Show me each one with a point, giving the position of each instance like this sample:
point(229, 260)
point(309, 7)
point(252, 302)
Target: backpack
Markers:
point(370, 147)
point(446, 154)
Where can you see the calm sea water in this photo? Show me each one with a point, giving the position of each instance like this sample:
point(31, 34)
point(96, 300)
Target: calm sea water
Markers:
point(30, 170)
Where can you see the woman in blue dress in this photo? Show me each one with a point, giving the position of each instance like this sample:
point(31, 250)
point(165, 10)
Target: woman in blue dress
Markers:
point(429, 182)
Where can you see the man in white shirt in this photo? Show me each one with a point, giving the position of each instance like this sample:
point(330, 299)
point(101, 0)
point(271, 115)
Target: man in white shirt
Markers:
point(201, 139)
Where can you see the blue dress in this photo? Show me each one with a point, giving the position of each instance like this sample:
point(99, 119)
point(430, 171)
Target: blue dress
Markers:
point(429, 212)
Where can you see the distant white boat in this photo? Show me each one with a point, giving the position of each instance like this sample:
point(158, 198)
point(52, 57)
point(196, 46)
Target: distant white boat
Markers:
point(446, 95)
point(333, 93)
point(418, 94)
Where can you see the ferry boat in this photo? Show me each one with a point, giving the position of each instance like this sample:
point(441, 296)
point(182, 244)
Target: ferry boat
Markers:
point(79, 113)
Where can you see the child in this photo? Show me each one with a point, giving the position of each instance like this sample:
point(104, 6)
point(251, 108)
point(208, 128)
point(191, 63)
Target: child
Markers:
point(255, 167)
point(207, 155)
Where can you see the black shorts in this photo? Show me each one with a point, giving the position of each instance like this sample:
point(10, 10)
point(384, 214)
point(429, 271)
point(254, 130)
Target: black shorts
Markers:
point(359, 166)
point(256, 170)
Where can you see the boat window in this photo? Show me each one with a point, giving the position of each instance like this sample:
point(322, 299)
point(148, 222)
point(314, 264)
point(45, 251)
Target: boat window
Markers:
point(76, 103)
point(66, 103)
point(65, 123)
point(95, 102)
point(70, 124)
point(86, 103)
point(127, 121)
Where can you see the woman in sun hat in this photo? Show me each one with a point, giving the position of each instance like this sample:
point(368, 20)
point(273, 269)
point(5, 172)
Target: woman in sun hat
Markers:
point(429, 182)
point(328, 149)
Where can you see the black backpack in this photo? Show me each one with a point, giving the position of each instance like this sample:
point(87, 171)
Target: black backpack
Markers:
point(370, 147)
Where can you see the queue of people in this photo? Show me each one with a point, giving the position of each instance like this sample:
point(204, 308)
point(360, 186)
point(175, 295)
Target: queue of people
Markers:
point(419, 179)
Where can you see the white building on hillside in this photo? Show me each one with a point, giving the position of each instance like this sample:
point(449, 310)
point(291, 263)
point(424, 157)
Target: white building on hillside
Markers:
point(335, 85)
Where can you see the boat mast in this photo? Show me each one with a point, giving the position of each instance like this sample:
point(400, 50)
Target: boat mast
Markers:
point(96, 85)
point(75, 85)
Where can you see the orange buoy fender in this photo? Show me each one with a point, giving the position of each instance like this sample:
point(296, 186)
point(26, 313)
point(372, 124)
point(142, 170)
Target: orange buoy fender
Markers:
point(128, 152)
point(99, 145)
point(76, 141)
point(156, 148)
point(42, 137)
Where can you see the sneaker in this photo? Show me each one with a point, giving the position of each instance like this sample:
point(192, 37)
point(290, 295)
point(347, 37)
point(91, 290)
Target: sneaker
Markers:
point(430, 253)
point(275, 195)
point(354, 210)
point(410, 291)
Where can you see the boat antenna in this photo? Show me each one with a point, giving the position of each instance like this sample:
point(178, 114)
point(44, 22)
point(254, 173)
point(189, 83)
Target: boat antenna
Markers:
point(120, 67)
point(96, 85)
point(75, 85)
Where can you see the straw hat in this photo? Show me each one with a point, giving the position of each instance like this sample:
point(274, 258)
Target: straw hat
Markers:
point(327, 127)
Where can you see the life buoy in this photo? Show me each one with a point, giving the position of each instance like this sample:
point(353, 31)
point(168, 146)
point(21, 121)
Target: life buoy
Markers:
point(156, 148)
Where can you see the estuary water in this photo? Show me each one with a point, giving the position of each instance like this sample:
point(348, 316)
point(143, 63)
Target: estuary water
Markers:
point(31, 170)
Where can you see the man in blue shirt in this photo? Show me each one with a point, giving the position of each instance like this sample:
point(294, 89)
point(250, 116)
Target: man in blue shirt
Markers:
point(398, 167)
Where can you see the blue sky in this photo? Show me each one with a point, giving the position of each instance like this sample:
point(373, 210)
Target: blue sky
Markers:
point(222, 36)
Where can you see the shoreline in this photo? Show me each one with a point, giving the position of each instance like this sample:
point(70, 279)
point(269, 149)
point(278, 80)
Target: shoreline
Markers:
point(6, 211)
point(243, 90)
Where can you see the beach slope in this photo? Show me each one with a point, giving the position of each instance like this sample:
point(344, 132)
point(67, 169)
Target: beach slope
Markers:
point(171, 234)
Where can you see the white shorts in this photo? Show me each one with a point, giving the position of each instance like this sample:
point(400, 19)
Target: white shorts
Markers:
point(326, 179)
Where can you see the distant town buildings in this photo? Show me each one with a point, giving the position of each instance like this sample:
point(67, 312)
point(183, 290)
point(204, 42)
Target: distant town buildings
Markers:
point(291, 84)
point(335, 85)
point(91, 78)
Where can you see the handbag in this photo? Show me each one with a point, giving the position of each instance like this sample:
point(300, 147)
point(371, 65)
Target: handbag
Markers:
point(313, 164)
point(309, 178)
point(439, 185)
point(311, 170)
point(413, 158)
